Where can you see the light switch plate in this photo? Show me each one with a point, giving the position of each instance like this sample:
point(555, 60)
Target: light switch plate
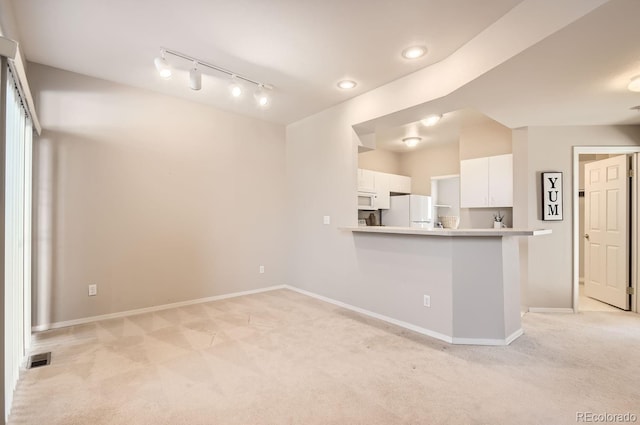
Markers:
point(327, 219)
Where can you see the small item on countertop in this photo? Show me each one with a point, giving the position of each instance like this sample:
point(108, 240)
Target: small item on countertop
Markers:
point(372, 220)
point(497, 220)
point(449, 221)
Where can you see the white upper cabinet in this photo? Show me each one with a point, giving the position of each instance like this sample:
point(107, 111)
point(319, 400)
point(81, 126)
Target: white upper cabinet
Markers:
point(474, 183)
point(366, 180)
point(501, 181)
point(399, 184)
point(486, 182)
point(383, 184)
point(383, 198)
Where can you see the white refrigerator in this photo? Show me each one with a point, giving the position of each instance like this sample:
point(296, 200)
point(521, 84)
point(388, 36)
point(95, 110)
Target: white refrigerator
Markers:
point(409, 211)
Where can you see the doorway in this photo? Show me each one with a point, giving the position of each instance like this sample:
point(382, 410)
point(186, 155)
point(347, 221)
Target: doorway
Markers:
point(625, 267)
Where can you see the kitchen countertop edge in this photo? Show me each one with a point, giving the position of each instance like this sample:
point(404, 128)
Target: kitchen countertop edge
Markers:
point(446, 232)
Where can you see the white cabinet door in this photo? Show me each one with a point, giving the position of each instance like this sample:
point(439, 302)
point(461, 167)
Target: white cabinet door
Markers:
point(474, 179)
point(383, 198)
point(366, 180)
point(399, 184)
point(501, 181)
point(486, 182)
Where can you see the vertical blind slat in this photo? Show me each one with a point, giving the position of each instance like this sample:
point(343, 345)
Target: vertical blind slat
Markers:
point(17, 261)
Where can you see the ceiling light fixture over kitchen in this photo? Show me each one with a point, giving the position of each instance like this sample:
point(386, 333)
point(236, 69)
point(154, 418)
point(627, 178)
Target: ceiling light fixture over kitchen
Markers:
point(195, 76)
point(411, 141)
point(431, 120)
point(347, 84)
point(634, 84)
point(414, 52)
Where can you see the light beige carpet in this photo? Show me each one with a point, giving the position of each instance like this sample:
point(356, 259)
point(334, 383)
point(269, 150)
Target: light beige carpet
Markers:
point(284, 358)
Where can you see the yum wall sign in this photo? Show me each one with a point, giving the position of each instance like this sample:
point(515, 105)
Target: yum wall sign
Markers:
point(552, 196)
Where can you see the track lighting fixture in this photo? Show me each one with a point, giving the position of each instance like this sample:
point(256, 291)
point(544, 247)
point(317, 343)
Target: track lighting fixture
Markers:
point(162, 66)
point(236, 89)
point(195, 77)
point(261, 96)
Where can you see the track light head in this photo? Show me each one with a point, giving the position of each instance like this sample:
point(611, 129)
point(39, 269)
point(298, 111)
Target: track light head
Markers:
point(162, 66)
point(234, 87)
point(195, 77)
point(261, 96)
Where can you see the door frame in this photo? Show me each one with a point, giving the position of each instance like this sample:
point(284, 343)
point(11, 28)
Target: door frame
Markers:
point(633, 220)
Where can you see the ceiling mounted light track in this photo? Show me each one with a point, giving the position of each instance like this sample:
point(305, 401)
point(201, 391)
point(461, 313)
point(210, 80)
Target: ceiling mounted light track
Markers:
point(195, 76)
point(235, 88)
point(162, 66)
point(262, 98)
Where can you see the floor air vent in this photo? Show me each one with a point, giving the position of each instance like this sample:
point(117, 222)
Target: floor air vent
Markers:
point(37, 360)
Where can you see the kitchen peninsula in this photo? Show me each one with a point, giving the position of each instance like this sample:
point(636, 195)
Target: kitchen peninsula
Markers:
point(461, 286)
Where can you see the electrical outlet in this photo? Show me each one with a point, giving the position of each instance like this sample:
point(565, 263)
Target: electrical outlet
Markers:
point(427, 301)
point(261, 269)
point(93, 290)
point(326, 219)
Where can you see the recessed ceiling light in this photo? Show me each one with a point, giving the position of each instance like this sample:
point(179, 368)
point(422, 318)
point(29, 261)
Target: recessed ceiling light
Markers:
point(347, 84)
point(634, 84)
point(431, 120)
point(414, 52)
point(411, 141)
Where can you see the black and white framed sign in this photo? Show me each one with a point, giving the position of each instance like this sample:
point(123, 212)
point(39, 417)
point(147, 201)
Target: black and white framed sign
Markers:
point(552, 196)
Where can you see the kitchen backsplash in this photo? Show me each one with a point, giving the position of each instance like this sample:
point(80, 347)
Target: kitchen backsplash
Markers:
point(482, 218)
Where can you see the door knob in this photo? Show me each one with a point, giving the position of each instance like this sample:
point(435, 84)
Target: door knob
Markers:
point(586, 236)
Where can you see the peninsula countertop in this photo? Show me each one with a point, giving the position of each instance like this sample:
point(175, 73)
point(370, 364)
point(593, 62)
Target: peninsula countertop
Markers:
point(447, 232)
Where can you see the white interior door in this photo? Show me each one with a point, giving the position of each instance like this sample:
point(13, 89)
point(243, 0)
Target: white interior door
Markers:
point(606, 258)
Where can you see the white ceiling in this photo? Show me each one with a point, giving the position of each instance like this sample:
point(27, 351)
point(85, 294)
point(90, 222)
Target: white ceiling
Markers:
point(447, 130)
point(301, 47)
point(576, 76)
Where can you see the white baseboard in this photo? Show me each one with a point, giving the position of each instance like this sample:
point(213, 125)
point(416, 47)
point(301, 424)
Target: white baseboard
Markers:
point(406, 325)
point(64, 324)
point(402, 324)
point(485, 341)
point(550, 310)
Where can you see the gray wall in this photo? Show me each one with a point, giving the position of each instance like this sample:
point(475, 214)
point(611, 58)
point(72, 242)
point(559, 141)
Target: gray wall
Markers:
point(380, 160)
point(154, 199)
point(438, 160)
point(321, 172)
point(549, 260)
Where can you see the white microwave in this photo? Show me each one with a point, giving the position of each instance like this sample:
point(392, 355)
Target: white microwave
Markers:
point(366, 200)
